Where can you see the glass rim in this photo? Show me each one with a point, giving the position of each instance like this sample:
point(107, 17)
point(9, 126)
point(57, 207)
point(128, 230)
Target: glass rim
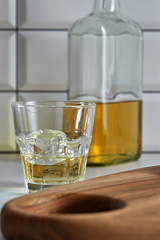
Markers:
point(54, 104)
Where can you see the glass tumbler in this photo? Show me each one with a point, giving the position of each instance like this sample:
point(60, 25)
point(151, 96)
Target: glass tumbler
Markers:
point(54, 139)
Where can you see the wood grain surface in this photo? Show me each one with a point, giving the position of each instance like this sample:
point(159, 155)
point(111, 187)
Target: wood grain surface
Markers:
point(114, 207)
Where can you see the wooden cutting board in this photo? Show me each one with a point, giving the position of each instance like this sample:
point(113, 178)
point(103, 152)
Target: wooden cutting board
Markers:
point(115, 207)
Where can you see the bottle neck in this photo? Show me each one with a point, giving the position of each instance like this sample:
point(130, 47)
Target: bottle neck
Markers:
point(112, 6)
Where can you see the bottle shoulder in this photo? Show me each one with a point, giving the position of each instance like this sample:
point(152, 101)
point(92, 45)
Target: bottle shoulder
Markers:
point(105, 24)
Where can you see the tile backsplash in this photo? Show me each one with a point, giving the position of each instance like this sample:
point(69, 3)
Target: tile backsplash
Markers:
point(33, 57)
point(42, 60)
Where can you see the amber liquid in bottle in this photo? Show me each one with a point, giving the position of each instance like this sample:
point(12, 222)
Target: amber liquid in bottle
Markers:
point(116, 133)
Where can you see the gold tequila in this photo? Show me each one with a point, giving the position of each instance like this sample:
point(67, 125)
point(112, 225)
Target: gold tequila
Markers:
point(48, 158)
point(117, 133)
point(66, 170)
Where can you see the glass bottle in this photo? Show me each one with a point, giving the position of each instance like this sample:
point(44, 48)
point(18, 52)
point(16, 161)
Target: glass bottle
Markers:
point(105, 66)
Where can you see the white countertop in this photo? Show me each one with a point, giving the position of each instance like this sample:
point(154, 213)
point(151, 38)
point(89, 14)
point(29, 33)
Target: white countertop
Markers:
point(11, 176)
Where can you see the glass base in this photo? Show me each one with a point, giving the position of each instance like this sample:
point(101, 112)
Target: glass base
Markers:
point(32, 187)
point(111, 159)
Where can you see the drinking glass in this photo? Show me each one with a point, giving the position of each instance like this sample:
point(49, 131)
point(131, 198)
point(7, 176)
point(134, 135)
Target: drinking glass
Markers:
point(54, 139)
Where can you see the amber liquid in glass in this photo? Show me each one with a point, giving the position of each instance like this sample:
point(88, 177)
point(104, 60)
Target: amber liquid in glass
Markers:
point(117, 133)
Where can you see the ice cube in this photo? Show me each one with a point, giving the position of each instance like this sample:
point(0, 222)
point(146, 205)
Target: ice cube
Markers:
point(46, 141)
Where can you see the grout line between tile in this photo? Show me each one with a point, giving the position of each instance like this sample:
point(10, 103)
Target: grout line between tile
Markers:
point(152, 91)
point(17, 51)
point(17, 14)
point(7, 29)
point(42, 91)
point(17, 67)
point(150, 152)
point(151, 30)
point(44, 29)
point(34, 29)
point(17, 28)
point(53, 91)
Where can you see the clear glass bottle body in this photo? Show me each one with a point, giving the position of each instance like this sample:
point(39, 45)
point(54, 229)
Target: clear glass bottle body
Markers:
point(105, 66)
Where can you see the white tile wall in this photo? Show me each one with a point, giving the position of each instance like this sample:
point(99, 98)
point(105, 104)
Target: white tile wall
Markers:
point(51, 13)
point(7, 60)
point(7, 13)
point(7, 137)
point(61, 14)
point(152, 61)
point(42, 96)
point(151, 122)
point(43, 60)
point(145, 12)
point(33, 57)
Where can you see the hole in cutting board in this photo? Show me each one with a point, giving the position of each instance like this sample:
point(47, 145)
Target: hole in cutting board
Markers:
point(82, 203)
